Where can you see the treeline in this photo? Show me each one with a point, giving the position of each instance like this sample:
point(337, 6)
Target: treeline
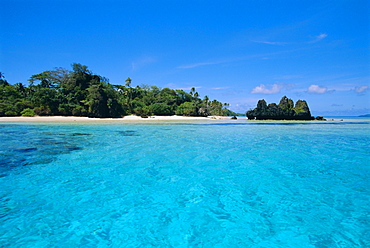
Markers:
point(80, 92)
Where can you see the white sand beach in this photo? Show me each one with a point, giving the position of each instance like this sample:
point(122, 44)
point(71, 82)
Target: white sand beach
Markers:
point(133, 118)
point(130, 118)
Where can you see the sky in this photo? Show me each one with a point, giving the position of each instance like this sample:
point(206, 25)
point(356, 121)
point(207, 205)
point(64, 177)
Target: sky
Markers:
point(236, 52)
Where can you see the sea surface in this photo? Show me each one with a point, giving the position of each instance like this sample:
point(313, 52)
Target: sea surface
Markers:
point(216, 183)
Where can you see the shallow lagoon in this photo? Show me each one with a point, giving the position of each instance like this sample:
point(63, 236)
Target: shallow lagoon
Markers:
point(185, 184)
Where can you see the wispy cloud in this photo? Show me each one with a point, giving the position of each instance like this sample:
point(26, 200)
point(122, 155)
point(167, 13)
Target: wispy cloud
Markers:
point(183, 85)
point(262, 89)
point(321, 36)
point(199, 64)
point(189, 88)
point(220, 88)
point(315, 89)
point(361, 89)
point(279, 43)
point(288, 77)
point(318, 38)
point(137, 64)
point(236, 59)
point(241, 107)
point(282, 43)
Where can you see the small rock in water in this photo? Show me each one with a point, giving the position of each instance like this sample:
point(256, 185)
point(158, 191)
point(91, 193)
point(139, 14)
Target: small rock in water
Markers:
point(80, 134)
point(128, 133)
point(26, 149)
point(74, 148)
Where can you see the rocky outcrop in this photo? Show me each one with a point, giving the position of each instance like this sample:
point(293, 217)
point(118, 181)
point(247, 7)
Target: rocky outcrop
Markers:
point(320, 118)
point(285, 110)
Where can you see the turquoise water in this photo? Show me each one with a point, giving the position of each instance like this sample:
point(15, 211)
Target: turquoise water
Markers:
point(194, 184)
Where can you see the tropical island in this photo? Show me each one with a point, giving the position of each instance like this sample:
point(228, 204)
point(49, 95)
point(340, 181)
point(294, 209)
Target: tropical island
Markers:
point(80, 92)
point(285, 110)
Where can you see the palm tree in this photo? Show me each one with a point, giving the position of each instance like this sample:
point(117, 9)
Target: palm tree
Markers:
point(128, 82)
point(206, 101)
point(192, 90)
point(129, 91)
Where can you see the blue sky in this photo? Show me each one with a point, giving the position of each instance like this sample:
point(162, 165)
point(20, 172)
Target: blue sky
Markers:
point(233, 51)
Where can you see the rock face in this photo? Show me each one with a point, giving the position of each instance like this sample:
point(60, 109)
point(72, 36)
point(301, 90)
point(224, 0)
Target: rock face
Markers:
point(285, 110)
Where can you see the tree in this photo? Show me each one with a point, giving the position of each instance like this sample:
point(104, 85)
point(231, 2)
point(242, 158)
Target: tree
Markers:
point(74, 90)
point(216, 108)
point(186, 109)
point(2, 80)
point(8, 98)
point(161, 109)
point(192, 90)
point(129, 95)
point(128, 82)
point(45, 101)
point(167, 96)
point(182, 97)
point(78, 68)
point(80, 92)
point(21, 89)
point(205, 100)
point(51, 79)
point(96, 101)
point(28, 112)
point(102, 99)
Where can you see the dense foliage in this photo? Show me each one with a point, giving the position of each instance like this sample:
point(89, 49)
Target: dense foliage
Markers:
point(82, 93)
point(285, 110)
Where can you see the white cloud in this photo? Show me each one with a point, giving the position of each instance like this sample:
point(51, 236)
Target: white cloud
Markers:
point(317, 89)
point(198, 64)
point(241, 107)
point(271, 42)
point(275, 88)
point(361, 89)
point(282, 43)
point(181, 85)
point(220, 88)
point(321, 36)
point(189, 88)
point(318, 38)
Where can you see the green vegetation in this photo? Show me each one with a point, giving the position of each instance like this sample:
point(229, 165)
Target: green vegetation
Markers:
point(285, 110)
point(300, 107)
point(80, 92)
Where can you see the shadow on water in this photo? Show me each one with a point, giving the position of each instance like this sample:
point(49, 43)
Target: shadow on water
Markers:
point(128, 133)
point(81, 134)
point(28, 145)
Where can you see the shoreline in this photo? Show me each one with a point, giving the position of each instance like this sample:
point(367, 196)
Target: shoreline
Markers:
point(130, 118)
point(138, 119)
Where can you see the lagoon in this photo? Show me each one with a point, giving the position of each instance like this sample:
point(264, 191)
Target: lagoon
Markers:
point(202, 183)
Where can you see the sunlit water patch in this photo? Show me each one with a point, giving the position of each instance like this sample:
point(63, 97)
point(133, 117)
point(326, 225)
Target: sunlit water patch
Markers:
point(231, 184)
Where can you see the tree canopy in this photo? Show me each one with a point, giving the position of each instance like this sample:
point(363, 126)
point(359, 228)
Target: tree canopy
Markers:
point(80, 92)
point(285, 110)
